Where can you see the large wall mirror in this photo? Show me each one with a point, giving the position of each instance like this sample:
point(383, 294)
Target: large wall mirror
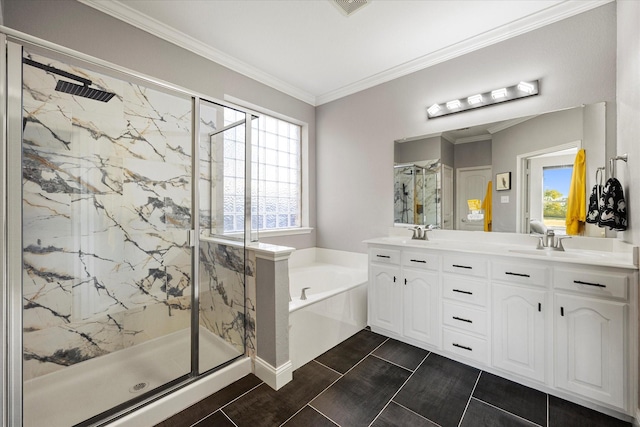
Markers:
point(532, 156)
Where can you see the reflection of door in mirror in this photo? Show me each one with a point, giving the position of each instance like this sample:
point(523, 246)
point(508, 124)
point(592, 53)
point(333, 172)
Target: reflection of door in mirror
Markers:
point(471, 183)
point(550, 176)
point(531, 176)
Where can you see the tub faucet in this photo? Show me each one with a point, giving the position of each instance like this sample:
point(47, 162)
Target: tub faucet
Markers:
point(303, 296)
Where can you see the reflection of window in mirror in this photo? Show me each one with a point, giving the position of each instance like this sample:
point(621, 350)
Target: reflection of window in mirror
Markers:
point(549, 178)
point(555, 183)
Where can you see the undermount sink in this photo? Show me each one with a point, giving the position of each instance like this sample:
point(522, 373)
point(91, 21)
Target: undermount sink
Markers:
point(554, 254)
point(407, 241)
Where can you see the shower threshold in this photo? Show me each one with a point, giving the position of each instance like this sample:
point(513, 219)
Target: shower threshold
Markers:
point(72, 395)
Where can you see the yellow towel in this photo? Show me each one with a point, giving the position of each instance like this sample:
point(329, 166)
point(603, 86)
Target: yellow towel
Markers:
point(577, 200)
point(486, 205)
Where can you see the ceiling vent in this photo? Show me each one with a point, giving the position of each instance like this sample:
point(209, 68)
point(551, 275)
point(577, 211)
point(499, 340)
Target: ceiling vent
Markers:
point(348, 7)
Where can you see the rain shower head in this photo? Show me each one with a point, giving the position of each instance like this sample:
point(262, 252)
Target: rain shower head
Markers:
point(71, 88)
point(84, 91)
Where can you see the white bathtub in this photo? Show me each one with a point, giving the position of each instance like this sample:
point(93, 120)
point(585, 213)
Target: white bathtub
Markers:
point(336, 304)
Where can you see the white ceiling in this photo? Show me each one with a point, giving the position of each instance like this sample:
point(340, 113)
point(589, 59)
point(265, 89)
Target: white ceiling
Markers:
point(312, 51)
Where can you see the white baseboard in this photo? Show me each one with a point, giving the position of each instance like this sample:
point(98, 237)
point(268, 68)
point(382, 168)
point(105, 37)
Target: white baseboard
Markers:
point(158, 411)
point(273, 377)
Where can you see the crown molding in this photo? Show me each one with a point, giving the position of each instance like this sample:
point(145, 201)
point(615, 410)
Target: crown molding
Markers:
point(152, 26)
point(547, 16)
point(475, 138)
point(532, 22)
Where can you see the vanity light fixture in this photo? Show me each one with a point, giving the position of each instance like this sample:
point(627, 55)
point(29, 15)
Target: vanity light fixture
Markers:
point(475, 99)
point(452, 105)
point(499, 93)
point(510, 93)
point(433, 109)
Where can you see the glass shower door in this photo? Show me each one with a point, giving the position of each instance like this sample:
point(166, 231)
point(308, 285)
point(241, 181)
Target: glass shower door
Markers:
point(107, 263)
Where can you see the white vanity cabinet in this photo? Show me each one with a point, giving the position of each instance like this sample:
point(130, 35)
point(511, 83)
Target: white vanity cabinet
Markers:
point(591, 339)
point(464, 306)
point(520, 313)
point(404, 295)
point(561, 326)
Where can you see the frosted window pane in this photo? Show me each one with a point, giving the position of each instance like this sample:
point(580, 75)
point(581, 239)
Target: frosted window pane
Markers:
point(270, 221)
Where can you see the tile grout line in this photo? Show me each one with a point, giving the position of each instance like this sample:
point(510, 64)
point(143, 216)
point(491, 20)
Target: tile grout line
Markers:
point(316, 409)
point(229, 418)
point(414, 412)
point(547, 410)
point(337, 379)
point(470, 397)
point(395, 364)
point(507, 412)
point(325, 366)
point(227, 404)
point(398, 390)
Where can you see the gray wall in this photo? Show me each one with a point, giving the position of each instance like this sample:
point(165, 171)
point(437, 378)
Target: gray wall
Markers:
point(541, 132)
point(82, 28)
point(628, 102)
point(417, 150)
point(574, 59)
point(472, 154)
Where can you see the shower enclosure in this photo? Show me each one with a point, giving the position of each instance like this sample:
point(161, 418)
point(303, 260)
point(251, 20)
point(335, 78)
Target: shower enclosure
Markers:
point(417, 193)
point(111, 296)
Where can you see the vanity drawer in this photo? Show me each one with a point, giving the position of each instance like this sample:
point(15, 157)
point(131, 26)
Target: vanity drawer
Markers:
point(600, 283)
point(384, 255)
point(465, 318)
point(464, 290)
point(465, 345)
point(525, 274)
point(420, 260)
point(464, 265)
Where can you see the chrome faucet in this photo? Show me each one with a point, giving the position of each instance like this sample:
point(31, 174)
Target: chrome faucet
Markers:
point(420, 233)
point(550, 241)
point(303, 296)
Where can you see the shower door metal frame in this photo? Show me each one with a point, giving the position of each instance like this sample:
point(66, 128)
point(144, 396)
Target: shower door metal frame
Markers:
point(11, 394)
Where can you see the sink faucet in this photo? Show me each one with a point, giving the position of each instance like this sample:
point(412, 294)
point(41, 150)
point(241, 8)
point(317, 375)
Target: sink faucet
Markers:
point(419, 233)
point(550, 241)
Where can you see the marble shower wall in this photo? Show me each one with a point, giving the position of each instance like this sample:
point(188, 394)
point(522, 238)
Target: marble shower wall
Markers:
point(107, 206)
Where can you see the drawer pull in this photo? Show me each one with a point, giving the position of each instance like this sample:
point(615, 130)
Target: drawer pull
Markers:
point(462, 320)
point(463, 292)
point(561, 311)
point(462, 266)
point(516, 274)
point(383, 256)
point(405, 281)
point(419, 260)
point(580, 282)
point(462, 346)
point(394, 279)
point(539, 307)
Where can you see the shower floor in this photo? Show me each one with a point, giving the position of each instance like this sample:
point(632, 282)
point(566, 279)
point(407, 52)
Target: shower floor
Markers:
point(74, 394)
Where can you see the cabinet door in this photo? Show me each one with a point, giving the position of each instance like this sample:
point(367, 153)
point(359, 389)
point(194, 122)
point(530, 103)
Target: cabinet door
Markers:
point(385, 298)
point(519, 331)
point(590, 351)
point(420, 306)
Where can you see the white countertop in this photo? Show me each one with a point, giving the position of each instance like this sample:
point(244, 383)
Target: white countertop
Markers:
point(577, 250)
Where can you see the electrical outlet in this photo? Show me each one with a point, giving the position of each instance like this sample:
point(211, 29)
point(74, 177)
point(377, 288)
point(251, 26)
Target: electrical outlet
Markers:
point(504, 199)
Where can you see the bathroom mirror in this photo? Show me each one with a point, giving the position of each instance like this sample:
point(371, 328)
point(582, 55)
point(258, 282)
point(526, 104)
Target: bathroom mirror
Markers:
point(476, 154)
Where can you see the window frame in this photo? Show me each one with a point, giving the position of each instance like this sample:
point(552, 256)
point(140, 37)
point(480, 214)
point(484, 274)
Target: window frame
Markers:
point(304, 227)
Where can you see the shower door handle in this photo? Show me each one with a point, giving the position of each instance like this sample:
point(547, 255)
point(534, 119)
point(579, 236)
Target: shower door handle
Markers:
point(191, 238)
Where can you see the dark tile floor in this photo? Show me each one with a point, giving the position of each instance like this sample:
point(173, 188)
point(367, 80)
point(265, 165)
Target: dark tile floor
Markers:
point(370, 380)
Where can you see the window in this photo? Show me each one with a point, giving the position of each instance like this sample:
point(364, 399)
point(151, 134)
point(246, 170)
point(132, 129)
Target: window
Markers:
point(555, 182)
point(275, 171)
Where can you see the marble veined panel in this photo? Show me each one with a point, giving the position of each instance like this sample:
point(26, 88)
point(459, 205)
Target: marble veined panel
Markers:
point(106, 209)
point(222, 294)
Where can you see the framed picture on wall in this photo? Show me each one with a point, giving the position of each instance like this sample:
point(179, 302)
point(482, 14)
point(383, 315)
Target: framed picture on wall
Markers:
point(503, 181)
